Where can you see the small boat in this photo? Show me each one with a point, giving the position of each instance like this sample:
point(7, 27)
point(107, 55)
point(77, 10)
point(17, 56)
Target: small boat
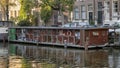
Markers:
point(3, 33)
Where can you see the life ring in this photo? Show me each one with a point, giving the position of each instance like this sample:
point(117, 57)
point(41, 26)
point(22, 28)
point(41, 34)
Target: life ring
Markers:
point(69, 33)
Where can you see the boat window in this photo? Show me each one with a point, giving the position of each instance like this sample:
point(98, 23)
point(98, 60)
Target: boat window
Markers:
point(77, 35)
point(49, 32)
point(103, 33)
point(95, 33)
point(36, 32)
point(60, 32)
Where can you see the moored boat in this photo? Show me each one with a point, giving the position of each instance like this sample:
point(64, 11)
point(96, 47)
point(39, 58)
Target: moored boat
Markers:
point(3, 33)
point(61, 36)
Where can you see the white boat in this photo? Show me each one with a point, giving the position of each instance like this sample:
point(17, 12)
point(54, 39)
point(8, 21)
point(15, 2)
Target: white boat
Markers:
point(3, 33)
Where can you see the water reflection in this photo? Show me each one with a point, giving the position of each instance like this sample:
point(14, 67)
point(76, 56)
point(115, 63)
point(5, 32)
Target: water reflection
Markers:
point(69, 58)
point(114, 58)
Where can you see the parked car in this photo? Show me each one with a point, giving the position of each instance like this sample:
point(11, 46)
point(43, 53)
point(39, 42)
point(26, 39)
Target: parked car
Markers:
point(75, 24)
point(116, 24)
point(67, 25)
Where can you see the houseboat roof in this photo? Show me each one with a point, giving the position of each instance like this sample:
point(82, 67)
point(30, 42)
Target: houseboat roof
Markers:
point(85, 28)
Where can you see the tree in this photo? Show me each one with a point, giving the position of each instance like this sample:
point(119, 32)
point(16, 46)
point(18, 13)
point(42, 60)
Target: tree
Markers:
point(45, 13)
point(47, 6)
point(25, 10)
point(24, 23)
point(36, 12)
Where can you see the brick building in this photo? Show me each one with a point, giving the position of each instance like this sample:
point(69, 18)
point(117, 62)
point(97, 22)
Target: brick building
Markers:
point(97, 11)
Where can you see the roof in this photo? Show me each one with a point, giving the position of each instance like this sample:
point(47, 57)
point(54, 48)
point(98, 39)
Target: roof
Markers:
point(76, 28)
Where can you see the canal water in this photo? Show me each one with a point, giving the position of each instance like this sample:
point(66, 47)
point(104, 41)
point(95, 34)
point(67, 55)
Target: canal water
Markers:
point(36, 56)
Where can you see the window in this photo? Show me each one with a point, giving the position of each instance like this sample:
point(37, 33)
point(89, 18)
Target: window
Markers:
point(95, 33)
point(83, 12)
point(108, 3)
point(11, 13)
point(103, 33)
point(100, 6)
point(107, 6)
point(90, 7)
point(76, 13)
point(115, 6)
point(15, 13)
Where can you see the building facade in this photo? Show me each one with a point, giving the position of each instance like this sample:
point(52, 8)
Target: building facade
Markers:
point(111, 11)
point(14, 10)
point(98, 12)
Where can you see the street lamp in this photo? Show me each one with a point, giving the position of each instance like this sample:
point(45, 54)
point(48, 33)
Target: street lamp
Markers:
point(95, 20)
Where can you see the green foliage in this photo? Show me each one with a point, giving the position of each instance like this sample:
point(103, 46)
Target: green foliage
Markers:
point(25, 64)
point(46, 65)
point(46, 10)
point(24, 23)
point(47, 6)
point(59, 4)
point(25, 10)
point(46, 13)
point(92, 23)
point(35, 18)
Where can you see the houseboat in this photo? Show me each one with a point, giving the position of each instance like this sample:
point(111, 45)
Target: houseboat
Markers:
point(61, 36)
point(4, 29)
point(3, 33)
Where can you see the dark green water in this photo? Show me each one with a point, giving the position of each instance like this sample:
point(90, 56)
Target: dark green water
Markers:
point(67, 58)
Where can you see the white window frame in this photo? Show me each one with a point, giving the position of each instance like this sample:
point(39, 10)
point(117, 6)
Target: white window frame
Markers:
point(76, 13)
point(83, 12)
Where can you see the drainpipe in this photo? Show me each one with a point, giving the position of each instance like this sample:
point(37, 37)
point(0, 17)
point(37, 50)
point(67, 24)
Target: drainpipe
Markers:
point(103, 11)
point(94, 10)
point(111, 3)
point(118, 9)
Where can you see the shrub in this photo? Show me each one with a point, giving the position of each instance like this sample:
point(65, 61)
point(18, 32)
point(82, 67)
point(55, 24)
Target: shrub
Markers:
point(24, 23)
